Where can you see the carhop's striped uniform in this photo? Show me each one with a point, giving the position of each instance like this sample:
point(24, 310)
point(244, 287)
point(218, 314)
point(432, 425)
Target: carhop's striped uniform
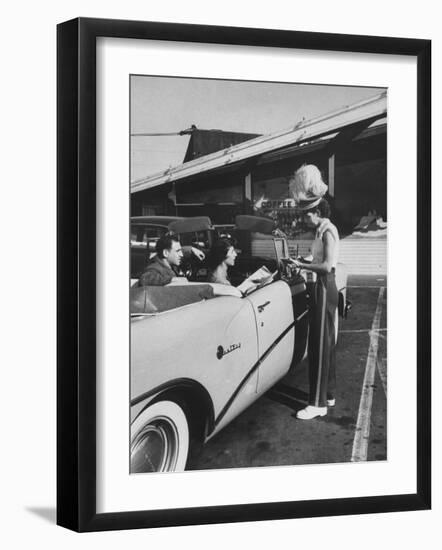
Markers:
point(322, 336)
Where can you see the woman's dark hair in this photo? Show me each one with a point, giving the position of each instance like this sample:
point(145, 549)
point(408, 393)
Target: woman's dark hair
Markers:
point(218, 253)
point(323, 208)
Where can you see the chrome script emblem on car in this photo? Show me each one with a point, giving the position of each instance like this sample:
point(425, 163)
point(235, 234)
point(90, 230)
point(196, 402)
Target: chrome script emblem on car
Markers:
point(220, 352)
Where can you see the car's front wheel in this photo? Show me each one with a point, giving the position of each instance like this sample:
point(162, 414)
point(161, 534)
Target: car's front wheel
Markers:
point(159, 439)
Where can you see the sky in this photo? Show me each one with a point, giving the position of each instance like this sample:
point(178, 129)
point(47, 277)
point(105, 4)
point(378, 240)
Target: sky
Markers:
point(169, 104)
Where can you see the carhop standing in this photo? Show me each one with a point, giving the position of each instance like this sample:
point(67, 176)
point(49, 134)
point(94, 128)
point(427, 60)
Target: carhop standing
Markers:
point(324, 299)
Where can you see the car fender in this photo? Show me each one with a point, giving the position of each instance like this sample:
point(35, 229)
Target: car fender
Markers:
point(188, 392)
point(212, 342)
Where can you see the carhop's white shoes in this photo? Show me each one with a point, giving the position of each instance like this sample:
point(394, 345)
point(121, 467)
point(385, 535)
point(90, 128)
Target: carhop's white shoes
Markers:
point(311, 412)
point(331, 402)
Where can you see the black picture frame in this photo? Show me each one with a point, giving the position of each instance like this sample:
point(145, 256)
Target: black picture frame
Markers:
point(76, 273)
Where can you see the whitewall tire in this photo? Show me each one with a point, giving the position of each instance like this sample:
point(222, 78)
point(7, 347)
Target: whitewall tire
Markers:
point(159, 439)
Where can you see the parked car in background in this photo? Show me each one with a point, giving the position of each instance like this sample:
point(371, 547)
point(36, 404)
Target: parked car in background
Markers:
point(144, 233)
point(196, 363)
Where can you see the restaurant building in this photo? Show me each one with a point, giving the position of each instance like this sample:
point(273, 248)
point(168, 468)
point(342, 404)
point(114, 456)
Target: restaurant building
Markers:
point(225, 173)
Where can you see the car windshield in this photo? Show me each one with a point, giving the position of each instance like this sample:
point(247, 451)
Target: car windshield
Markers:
point(260, 245)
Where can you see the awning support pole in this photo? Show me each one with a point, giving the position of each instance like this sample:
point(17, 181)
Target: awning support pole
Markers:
point(331, 175)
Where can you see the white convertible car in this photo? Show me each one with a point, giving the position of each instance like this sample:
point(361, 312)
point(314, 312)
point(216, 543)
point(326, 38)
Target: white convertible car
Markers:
point(197, 361)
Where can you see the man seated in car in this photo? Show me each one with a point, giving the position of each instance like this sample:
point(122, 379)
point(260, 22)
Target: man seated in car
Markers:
point(162, 269)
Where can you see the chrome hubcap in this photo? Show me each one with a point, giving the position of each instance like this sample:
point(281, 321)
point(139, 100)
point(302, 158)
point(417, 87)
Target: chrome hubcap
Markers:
point(155, 447)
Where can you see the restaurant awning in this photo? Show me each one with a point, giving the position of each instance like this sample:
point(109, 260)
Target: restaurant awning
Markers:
point(305, 130)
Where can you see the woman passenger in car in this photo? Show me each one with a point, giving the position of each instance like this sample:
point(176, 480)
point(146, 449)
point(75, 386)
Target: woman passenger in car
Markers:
point(221, 256)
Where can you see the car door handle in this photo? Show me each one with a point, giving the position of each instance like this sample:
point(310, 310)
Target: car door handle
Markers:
point(262, 306)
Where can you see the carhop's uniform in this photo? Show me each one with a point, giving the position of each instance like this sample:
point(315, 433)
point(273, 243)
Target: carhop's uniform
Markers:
point(322, 336)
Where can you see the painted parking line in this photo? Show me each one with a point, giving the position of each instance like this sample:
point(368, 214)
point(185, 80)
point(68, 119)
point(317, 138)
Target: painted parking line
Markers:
point(382, 370)
point(368, 330)
point(362, 433)
point(363, 286)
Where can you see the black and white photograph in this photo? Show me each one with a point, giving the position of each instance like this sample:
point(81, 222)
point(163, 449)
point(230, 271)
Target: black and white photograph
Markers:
point(258, 274)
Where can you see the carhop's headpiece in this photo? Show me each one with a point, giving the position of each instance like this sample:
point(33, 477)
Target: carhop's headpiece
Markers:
point(307, 187)
point(307, 204)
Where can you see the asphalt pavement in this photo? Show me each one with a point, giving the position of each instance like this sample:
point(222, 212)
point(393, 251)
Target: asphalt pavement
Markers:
point(268, 432)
